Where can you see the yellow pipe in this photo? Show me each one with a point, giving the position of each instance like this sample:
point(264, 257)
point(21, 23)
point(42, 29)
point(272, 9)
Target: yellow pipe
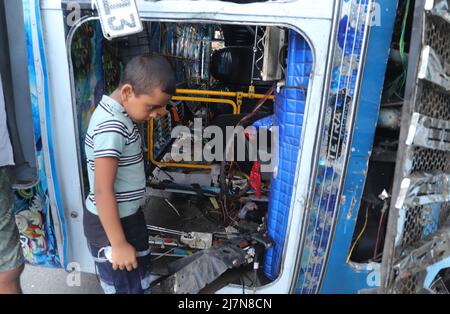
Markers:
point(236, 110)
point(205, 92)
point(238, 95)
point(220, 93)
point(209, 100)
point(167, 164)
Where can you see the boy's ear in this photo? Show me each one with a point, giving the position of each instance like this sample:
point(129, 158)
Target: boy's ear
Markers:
point(126, 91)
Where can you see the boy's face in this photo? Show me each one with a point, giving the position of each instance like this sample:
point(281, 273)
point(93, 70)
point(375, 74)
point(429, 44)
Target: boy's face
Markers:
point(143, 107)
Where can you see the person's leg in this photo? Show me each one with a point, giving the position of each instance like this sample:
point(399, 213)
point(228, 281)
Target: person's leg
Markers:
point(119, 281)
point(10, 281)
point(11, 258)
point(139, 239)
point(123, 281)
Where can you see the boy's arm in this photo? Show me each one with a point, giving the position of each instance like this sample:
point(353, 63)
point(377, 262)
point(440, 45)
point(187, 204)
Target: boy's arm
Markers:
point(123, 254)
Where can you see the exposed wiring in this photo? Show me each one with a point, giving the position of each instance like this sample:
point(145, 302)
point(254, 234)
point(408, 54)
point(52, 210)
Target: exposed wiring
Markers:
point(164, 254)
point(377, 259)
point(165, 172)
point(269, 92)
point(173, 207)
point(224, 163)
point(254, 55)
point(227, 214)
point(380, 224)
point(402, 40)
point(258, 46)
point(221, 205)
point(395, 87)
point(359, 236)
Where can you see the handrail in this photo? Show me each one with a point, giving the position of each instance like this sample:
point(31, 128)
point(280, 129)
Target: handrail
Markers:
point(209, 100)
point(238, 95)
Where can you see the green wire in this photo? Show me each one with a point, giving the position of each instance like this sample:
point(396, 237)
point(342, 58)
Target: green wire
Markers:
point(394, 88)
point(402, 42)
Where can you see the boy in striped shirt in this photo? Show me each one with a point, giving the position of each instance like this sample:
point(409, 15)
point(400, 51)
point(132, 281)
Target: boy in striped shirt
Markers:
point(113, 222)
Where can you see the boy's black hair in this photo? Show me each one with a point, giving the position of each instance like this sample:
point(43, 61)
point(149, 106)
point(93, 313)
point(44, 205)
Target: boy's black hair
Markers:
point(147, 72)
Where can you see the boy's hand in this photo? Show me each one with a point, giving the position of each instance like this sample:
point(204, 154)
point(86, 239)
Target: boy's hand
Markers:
point(124, 256)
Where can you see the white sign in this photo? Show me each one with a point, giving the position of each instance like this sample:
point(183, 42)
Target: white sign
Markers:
point(118, 17)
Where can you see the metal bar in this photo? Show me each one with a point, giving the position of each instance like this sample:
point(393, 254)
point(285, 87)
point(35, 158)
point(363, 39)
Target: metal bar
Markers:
point(209, 100)
point(238, 95)
point(429, 132)
point(221, 93)
point(205, 92)
point(424, 189)
point(166, 230)
point(172, 206)
point(425, 259)
point(433, 69)
point(439, 8)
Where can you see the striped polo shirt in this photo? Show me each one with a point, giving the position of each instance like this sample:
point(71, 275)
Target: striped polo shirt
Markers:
point(112, 133)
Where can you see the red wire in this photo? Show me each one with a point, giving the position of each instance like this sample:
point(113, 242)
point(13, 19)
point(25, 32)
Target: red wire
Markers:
point(378, 235)
point(258, 107)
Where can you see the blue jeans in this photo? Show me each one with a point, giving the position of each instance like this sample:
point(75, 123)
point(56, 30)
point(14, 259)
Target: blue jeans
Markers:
point(113, 281)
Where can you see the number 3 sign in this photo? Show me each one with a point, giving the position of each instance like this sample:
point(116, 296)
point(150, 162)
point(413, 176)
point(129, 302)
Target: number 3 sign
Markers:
point(118, 17)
